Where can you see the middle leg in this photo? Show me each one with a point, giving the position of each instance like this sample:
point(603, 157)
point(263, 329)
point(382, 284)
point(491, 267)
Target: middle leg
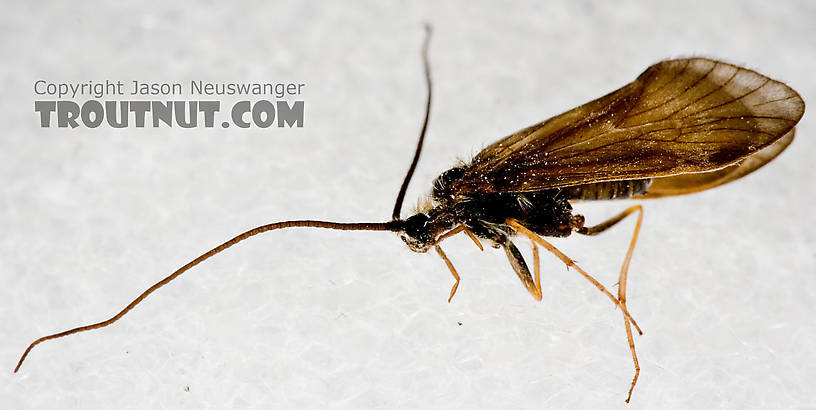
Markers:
point(570, 264)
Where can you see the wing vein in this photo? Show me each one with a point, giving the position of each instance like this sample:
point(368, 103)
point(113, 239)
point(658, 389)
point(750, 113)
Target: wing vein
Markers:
point(776, 100)
point(677, 74)
point(729, 101)
point(673, 98)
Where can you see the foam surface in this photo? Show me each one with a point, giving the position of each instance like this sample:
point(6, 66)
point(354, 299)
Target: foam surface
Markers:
point(723, 282)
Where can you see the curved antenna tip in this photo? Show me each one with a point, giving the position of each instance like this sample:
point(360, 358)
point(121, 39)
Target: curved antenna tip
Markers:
point(426, 68)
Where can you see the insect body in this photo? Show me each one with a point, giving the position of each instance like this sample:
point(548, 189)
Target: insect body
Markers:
point(484, 215)
point(682, 126)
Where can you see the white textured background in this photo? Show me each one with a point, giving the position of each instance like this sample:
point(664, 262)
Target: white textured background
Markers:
point(723, 282)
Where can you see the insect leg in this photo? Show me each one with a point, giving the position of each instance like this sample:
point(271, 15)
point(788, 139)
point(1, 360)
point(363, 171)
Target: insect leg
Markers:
point(448, 234)
point(621, 301)
point(570, 263)
point(536, 267)
point(452, 270)
point(474, 239)
point(594, 230)
point(454, 231)
point(517, 262)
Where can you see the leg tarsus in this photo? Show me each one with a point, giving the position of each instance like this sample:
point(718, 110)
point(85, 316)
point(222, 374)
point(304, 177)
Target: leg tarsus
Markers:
point(631, 342)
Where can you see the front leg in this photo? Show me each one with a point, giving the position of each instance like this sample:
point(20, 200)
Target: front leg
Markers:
point(448, 263)
point(453, 272)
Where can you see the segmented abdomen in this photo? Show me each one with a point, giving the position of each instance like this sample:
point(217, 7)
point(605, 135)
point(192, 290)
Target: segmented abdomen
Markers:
point(608, 190)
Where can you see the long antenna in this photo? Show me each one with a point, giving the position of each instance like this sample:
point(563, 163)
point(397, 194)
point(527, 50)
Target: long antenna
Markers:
point(407, 180)
point(362, 226)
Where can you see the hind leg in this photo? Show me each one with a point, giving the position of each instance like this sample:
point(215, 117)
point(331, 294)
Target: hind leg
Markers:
point(621, 300)
point(594, 230)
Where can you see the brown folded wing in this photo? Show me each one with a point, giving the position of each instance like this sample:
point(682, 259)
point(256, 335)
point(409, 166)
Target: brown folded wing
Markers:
point(678, 117)
point(682, 184)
